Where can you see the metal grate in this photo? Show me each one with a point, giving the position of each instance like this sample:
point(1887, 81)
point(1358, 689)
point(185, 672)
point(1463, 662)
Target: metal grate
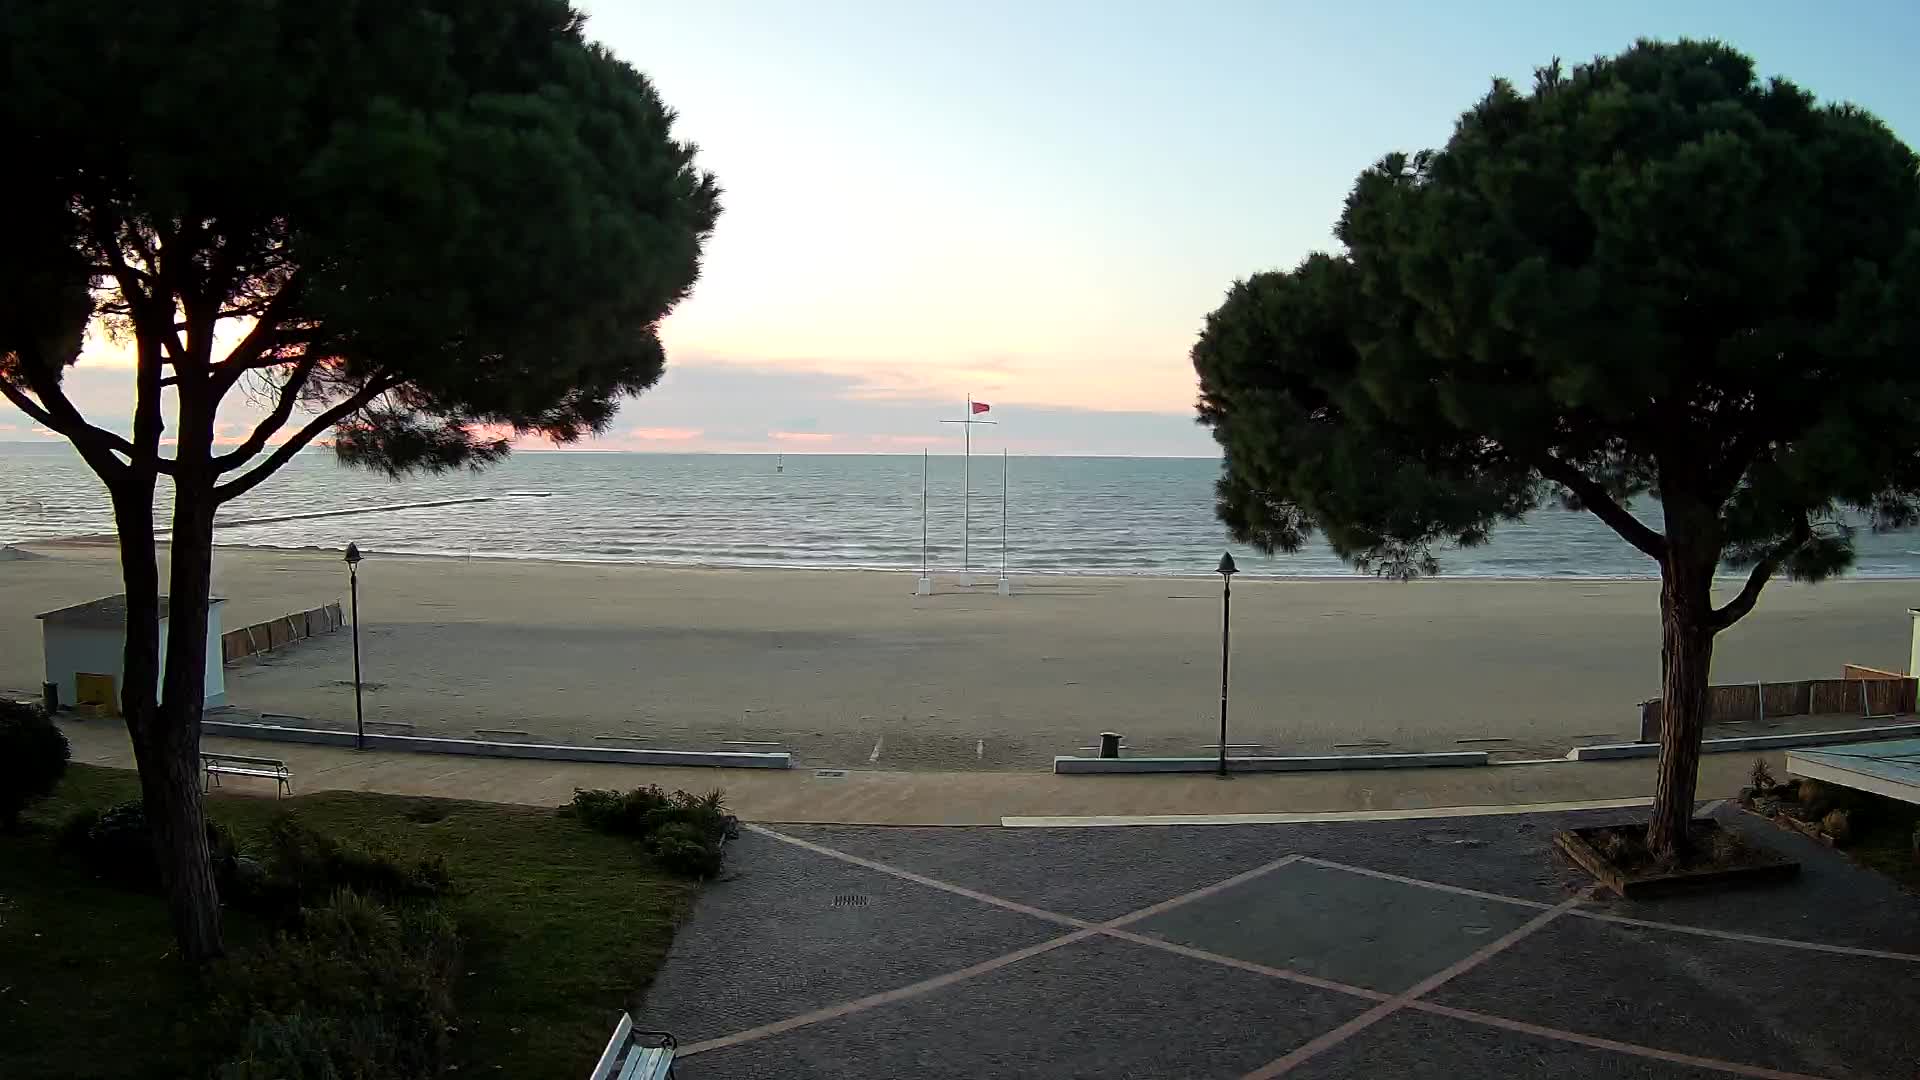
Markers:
point(849, 900)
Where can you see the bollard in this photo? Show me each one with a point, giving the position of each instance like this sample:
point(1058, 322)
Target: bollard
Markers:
point(50, 697)
point(1109, 744)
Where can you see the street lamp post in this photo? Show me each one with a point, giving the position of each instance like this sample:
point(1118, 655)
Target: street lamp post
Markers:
point(1226, 570)
point(353, 588)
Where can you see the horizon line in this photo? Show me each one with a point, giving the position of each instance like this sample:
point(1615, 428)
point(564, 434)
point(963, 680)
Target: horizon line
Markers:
point(734, 453)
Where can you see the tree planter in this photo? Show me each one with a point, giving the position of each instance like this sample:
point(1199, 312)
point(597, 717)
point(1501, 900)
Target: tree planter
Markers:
point(1805, 828)
point(1752, 866)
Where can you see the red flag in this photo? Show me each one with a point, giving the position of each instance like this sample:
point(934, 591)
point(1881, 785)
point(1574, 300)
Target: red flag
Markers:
point(980, 407)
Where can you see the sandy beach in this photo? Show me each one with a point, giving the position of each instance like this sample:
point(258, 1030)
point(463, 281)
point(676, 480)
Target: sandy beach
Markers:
point(850, 669)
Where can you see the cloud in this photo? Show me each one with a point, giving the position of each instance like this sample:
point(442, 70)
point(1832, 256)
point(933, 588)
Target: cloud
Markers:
point(665, 434)
point(703, 405)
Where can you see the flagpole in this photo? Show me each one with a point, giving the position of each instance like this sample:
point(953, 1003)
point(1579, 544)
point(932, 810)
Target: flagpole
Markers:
point(1006, 587)
point(966, 484)
point(923, 587)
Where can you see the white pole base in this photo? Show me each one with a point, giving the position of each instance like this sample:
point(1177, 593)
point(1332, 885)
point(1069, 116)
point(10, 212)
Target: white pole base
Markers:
point(923, 587)
point(1006, 587)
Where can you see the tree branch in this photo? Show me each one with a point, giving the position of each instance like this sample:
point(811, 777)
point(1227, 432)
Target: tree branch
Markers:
point(1595, 498)
point(58, 415)
point(1737, 608)
point(274, 421)
point(246, 482)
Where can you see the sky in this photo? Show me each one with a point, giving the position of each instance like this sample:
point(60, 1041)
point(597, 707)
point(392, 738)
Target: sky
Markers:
point(1038, 203)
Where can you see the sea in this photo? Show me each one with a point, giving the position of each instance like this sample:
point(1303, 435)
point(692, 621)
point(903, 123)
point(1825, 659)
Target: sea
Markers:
point(1053, 515)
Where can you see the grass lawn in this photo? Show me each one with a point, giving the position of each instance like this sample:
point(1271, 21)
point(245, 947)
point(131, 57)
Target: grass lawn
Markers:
point(564, 928)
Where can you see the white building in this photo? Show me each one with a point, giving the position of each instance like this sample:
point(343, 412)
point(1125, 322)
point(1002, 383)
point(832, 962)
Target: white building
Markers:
point(84, 645)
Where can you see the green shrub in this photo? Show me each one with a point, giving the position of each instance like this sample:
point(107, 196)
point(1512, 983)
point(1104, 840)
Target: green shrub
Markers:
point(1762, 776)
point(73, 832)
point(682, 848)
point(33, 757)
point(358, 991)
point(118, 845)
point(301, 867)
point(630, 813)
point(684, 833)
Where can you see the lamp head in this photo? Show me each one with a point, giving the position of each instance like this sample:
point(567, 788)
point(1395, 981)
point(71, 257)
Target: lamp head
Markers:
point(1226, 567)
point(353, 554)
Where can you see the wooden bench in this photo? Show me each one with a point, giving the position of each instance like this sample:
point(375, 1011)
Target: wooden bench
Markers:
point(635, 1055)
point(217, 765)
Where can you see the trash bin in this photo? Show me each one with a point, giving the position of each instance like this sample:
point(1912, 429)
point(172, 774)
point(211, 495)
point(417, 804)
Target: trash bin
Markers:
point(1109, 744)
point(50, 697)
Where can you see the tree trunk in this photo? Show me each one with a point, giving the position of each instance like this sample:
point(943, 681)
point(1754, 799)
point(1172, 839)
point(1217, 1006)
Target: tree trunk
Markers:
point(1686, 656)
point(166, 751)
point(180, 831)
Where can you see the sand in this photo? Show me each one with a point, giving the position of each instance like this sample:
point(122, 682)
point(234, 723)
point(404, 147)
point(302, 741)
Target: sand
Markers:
point(851, 669)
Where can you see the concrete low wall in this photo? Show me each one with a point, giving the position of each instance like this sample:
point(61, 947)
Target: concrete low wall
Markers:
point(1615, 751)
point(479, 748)
point(1324, 763)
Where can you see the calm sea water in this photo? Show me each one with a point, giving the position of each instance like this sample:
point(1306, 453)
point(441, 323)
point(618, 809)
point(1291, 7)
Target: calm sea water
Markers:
point(1063, 515)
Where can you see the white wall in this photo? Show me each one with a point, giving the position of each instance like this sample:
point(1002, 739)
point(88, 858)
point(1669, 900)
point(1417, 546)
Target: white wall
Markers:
point(70, 649)
point(216, 658)
point(99, 651)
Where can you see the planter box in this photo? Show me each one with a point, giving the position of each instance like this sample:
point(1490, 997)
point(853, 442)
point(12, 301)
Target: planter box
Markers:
point(1804, 828)
point(1638, 884)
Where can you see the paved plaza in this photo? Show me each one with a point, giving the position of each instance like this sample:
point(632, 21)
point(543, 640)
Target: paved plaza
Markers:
point(1441, 947)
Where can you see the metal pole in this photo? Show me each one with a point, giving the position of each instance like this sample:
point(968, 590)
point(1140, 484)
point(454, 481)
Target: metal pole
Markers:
point(359, 721)
point(923, 512)
point(966, 500)
point(1226, 630)
point(1003, 513)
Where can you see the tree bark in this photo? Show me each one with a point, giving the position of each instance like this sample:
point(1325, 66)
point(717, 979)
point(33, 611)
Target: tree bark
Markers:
point(179, 825)
point(166, 751)
point(1686, 657)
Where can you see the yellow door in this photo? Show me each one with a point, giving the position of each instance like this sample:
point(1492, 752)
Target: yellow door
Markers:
point(95, 693)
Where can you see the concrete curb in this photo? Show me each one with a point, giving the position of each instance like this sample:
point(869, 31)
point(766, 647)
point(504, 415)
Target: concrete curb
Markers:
point(1616, 751)
point(1326, 763)
point(723, 759)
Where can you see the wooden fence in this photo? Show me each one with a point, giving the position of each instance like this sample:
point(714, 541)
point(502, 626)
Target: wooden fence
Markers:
point(1863, 692)
point(281, 632)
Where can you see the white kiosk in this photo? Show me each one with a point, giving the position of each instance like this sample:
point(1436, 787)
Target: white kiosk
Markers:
point(84, 645)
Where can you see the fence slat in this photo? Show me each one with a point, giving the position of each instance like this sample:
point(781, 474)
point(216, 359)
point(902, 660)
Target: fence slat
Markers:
point(1873, 692)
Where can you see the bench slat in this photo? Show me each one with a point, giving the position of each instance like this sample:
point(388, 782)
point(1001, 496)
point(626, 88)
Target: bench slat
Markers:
point(244, 760)
point(225, 771)
point(604, 1070)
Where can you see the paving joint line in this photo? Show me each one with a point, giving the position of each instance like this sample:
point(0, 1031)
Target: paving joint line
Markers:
point(1084, 929)
point(1113, 928)
point(1597, 1042)
point(918, 879)
point(1327, 1040)
point(1624, 920)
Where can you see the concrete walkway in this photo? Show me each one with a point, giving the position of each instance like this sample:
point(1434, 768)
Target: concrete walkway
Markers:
point(1344, 951)
point(949, 798)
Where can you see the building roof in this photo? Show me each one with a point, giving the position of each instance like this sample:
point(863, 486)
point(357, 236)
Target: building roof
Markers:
point(108, 611)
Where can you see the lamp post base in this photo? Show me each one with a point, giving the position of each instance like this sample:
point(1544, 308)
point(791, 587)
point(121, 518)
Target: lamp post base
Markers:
point(1005, 587)
point(923, 587)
